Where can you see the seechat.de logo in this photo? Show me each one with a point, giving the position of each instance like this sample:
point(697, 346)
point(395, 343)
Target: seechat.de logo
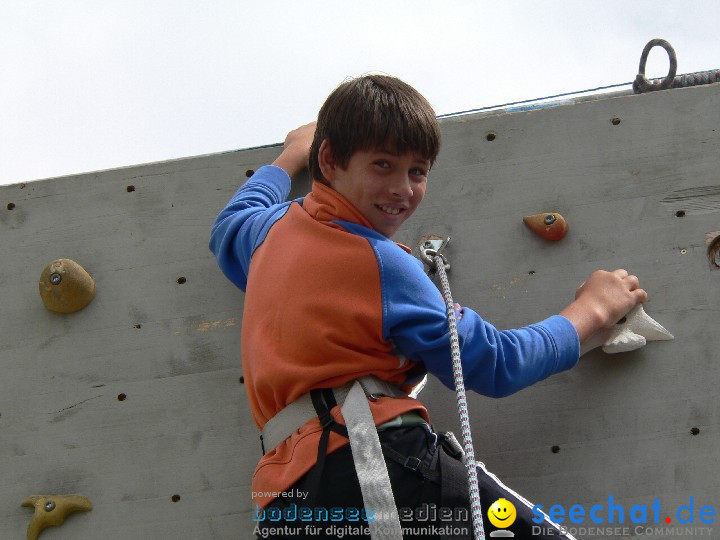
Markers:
point(616, 513)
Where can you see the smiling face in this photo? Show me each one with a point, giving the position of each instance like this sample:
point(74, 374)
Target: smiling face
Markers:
point(502, 513)
point(384, 186)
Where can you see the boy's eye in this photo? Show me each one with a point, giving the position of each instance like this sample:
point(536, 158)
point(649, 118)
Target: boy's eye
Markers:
point(417, 171)
point(382, 163)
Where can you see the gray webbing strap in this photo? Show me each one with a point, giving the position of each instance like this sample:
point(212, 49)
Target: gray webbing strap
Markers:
point(297, 413)
point(370, 466)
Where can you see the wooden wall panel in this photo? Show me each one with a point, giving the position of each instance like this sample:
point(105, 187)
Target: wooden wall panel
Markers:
point(621, 424)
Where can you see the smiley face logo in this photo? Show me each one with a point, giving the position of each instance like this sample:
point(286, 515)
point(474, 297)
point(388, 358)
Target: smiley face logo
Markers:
point(502, 513)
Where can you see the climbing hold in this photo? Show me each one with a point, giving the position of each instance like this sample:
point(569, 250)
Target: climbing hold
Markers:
point(550, 225)
point(51, 511)
point(635, 332)
point(65, 286)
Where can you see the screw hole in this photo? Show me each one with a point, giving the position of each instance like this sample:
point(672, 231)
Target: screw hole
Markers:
point(491, 136)
point(680, 213)
point(11, 206)
point(181, 280)
point(683, 251)
point(249, 173)
point(121, 397)
point(137, 326)
point(555, 449)
point(695, 431)
point(175, 498)
point(531, 272)
point(242, 379)
point(615, 121)
point(130, 189)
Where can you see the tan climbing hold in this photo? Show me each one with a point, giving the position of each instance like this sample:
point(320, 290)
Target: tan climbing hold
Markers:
point(65, 286)
point(51, 511)
point(550, 225)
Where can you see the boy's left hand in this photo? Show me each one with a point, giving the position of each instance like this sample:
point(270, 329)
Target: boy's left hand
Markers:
point(602, 300)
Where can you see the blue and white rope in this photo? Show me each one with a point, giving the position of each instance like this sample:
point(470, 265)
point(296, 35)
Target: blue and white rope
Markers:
point(469, 458)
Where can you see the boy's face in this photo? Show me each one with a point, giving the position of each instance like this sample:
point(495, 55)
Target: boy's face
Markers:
point(384, 186)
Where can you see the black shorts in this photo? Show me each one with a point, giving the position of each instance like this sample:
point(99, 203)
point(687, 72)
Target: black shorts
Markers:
point(335, 508)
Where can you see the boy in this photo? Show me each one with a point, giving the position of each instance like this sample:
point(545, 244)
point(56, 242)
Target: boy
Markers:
point(330, 299)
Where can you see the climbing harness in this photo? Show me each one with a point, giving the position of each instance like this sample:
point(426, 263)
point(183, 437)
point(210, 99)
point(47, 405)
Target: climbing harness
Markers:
point(430, 254)
point(297, 413)
point(443, 467)
point(365, 444)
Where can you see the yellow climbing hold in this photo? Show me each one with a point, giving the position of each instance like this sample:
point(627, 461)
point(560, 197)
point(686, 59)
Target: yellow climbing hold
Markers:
point(65, 286)
point(51, 511)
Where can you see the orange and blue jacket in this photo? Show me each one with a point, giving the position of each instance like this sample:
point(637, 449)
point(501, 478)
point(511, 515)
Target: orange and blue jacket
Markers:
point(328, 299)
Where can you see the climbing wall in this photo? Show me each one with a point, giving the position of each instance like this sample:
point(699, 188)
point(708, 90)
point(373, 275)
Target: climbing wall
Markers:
point(136, 402)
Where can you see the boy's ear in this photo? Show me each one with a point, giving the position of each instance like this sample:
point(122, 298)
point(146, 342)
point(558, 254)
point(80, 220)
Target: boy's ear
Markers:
point(326, 161)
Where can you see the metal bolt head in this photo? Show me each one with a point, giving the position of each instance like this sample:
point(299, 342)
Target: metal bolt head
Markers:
point(549, 219)
point(49, 506)
point(55, 278)
point(427, 244)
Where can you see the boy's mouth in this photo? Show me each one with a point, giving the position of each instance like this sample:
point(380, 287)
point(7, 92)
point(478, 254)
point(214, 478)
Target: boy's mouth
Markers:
point(389, 209)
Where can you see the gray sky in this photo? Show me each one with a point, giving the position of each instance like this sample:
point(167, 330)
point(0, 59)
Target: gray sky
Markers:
point(88, 85)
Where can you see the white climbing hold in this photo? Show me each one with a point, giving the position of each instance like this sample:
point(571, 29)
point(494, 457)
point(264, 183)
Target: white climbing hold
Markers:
point(635, 332)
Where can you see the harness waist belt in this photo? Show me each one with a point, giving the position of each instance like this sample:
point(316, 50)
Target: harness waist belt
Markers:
point(297, 413)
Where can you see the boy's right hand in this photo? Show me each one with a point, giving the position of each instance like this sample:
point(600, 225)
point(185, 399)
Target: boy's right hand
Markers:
point(602, 300)
point(296, 149)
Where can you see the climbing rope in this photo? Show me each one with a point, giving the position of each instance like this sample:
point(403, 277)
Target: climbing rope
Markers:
point(437, 262)
point(688, 79)
point(641, 84)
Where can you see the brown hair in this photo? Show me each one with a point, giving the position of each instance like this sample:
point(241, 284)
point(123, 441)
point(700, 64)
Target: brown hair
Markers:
point(374, 111)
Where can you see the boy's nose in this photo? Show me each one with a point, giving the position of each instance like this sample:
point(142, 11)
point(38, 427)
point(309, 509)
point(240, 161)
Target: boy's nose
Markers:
point(401, 187)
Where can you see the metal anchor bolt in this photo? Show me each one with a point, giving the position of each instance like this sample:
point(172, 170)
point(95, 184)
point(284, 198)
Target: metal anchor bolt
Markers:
point(549, 219)
point(55, 278)
point(49, 506)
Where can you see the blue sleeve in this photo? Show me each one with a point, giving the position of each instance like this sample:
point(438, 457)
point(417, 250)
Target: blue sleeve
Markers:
point(495, 363)
point(244, 223)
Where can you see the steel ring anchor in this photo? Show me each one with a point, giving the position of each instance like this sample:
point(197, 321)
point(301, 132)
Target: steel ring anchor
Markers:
point(641, 84)
point(430, 249)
